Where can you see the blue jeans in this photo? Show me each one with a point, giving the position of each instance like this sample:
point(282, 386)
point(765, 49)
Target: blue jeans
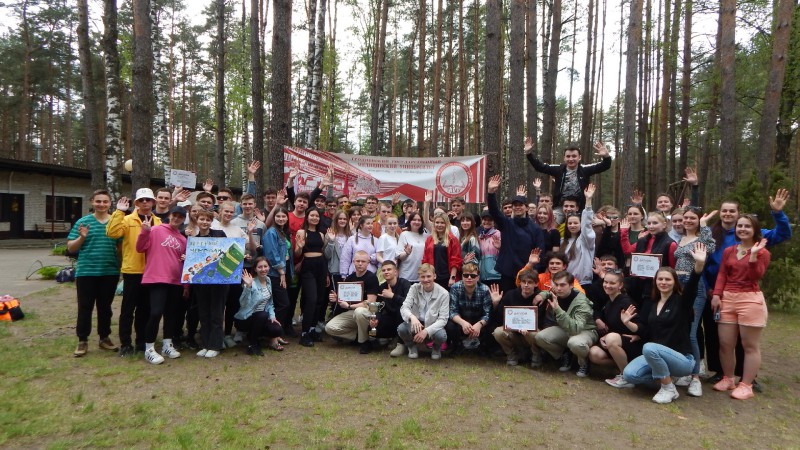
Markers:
point(699, 305)
point(404, 331)
point(657, 362)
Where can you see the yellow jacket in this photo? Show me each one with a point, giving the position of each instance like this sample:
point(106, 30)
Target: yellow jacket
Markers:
point(128, 227)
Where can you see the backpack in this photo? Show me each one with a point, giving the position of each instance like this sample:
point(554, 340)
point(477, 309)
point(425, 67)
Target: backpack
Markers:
point(10, 309)
point(65, 275)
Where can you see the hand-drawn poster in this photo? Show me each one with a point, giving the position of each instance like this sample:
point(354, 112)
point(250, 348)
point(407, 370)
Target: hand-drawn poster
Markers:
point(213, 260)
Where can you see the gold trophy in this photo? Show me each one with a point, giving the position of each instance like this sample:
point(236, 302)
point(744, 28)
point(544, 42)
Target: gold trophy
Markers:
point(374, 309)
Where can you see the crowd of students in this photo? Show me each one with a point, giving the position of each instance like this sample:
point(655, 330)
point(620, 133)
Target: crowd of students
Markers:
point(438, 280)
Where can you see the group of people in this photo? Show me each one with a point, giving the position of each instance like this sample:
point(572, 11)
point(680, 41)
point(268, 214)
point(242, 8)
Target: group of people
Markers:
point(438, 281)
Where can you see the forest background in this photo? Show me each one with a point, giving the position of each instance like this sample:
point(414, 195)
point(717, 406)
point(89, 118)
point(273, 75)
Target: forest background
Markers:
point(208, 86)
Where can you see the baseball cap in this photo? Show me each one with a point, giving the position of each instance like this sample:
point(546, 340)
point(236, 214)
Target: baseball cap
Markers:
point(519, 199)
point(178, 210)
point(144, 193)
point(485, 213)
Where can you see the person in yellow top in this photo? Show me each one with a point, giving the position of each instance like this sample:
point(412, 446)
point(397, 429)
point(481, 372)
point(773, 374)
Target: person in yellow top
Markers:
point(135, 309)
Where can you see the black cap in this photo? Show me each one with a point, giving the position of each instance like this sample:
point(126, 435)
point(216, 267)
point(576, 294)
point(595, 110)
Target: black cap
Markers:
point(178, 210)
point(519, 199)
point(485, 213)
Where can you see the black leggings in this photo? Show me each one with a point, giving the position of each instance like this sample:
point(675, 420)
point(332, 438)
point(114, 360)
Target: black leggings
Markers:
point(164, 300)
point(234, 291)
point(95, 291)
point(280, 298)
point(312, 280)
point(258, 325)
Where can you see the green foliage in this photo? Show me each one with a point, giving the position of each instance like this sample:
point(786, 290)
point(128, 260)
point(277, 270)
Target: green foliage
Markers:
point(49, 272)
point(781, 284)
point(60, 250)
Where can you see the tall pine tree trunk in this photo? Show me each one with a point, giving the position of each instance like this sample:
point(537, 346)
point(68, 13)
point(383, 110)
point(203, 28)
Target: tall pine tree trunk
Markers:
point(160, 139)
point(437, 84)
point(114, 149)
point(311, 24)
point(727, 113)
point(421, 29)
point(316, 79)
point(628, 160)
point(257, 91)
point(686, 84)
point(142, 96)
point(462, 85)
point(219, 149)
point(588, 94)
point(377, 104)
point(93, 153)
point(281, 122)
point(549, 88)
point(531, 59)
point(663, 119)
point(772, 96)
point(516, 95)
point(491, 87)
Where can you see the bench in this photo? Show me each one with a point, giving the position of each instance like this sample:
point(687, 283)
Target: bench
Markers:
point(57, 227)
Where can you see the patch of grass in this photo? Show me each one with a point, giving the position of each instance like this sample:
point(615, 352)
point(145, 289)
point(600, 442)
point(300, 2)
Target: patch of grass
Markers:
point(49, 272)
point(332, 397)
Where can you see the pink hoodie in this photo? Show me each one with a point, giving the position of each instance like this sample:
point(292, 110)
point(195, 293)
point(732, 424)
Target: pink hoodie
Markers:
point(163, 247)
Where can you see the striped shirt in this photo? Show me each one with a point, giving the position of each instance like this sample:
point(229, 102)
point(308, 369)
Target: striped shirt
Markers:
point(98, 254)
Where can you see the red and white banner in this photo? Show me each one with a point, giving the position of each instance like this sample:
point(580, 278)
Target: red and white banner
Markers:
point(359, 175)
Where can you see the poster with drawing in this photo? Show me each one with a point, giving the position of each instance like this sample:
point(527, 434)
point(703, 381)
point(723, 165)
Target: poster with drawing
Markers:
point(212, 260)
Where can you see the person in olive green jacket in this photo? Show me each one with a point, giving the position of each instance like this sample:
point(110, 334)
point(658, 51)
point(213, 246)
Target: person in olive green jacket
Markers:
point(572, 329)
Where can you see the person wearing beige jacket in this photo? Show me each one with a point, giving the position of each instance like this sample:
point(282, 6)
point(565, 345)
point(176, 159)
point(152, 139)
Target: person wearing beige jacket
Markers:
point(425, 313)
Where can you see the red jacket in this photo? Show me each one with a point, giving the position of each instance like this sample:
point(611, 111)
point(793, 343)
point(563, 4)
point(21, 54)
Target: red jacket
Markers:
point(453, 254)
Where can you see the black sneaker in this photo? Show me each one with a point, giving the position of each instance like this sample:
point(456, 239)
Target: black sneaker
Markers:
point(566, 361)
point(192, 344)
point(758, 387)
point(254, 350)
point(715, 379)
point(306, 340)
point(365, 347)
point(126, 350)
point(315, 336)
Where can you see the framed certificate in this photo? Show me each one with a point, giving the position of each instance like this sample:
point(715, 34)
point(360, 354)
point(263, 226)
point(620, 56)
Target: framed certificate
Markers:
point(518, 318)
point(350, 292)
point(645, 264)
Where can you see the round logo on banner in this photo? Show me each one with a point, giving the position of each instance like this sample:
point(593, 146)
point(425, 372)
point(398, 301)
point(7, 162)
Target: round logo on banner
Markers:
point(454, 179)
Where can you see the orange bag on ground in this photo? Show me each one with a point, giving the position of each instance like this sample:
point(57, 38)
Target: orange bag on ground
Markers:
point(10, 309)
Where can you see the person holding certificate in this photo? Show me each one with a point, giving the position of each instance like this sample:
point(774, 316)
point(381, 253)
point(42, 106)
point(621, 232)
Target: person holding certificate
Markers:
point(514, 342)
point(353, 321)
point(668, 352)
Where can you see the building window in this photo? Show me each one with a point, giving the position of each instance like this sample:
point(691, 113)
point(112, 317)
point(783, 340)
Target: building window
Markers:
point(63, 209)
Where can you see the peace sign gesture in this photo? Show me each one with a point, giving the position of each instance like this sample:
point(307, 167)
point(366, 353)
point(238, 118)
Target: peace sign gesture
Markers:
point(147, 223)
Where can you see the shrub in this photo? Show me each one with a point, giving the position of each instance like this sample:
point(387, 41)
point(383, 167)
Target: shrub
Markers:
point(49, 272)
point(60, 250)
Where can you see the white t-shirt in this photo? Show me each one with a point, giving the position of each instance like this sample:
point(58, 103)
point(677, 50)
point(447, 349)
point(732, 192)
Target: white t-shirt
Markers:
point(388, 245)
point(410, 265)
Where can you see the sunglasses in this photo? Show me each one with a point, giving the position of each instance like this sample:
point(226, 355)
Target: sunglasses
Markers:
point(694, 209)
point(614, 271)
point(612, 217)
point(469, 275)
point(223, 198)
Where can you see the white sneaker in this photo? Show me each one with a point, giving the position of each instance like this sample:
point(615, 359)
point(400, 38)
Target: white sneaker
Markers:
point(399, 350)
point(666, 394)
point(202, 353)
point(436, 352)
point(413, 353)
point(238, 337)
point(169, 351)
point(152, 356)
point(211, 353)
point(683, 381)
point(228, 341)
point(695, 388)
point(703, 369)
point(619, 382)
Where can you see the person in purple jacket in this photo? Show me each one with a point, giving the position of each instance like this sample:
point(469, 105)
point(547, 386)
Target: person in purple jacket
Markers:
point(165, 249)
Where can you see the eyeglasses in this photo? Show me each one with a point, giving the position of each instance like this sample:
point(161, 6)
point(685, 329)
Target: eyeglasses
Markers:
point(223, 197)
point(470, 275)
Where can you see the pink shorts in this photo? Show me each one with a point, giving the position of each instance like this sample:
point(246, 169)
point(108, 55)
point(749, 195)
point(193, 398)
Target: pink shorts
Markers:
point(743, 308)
